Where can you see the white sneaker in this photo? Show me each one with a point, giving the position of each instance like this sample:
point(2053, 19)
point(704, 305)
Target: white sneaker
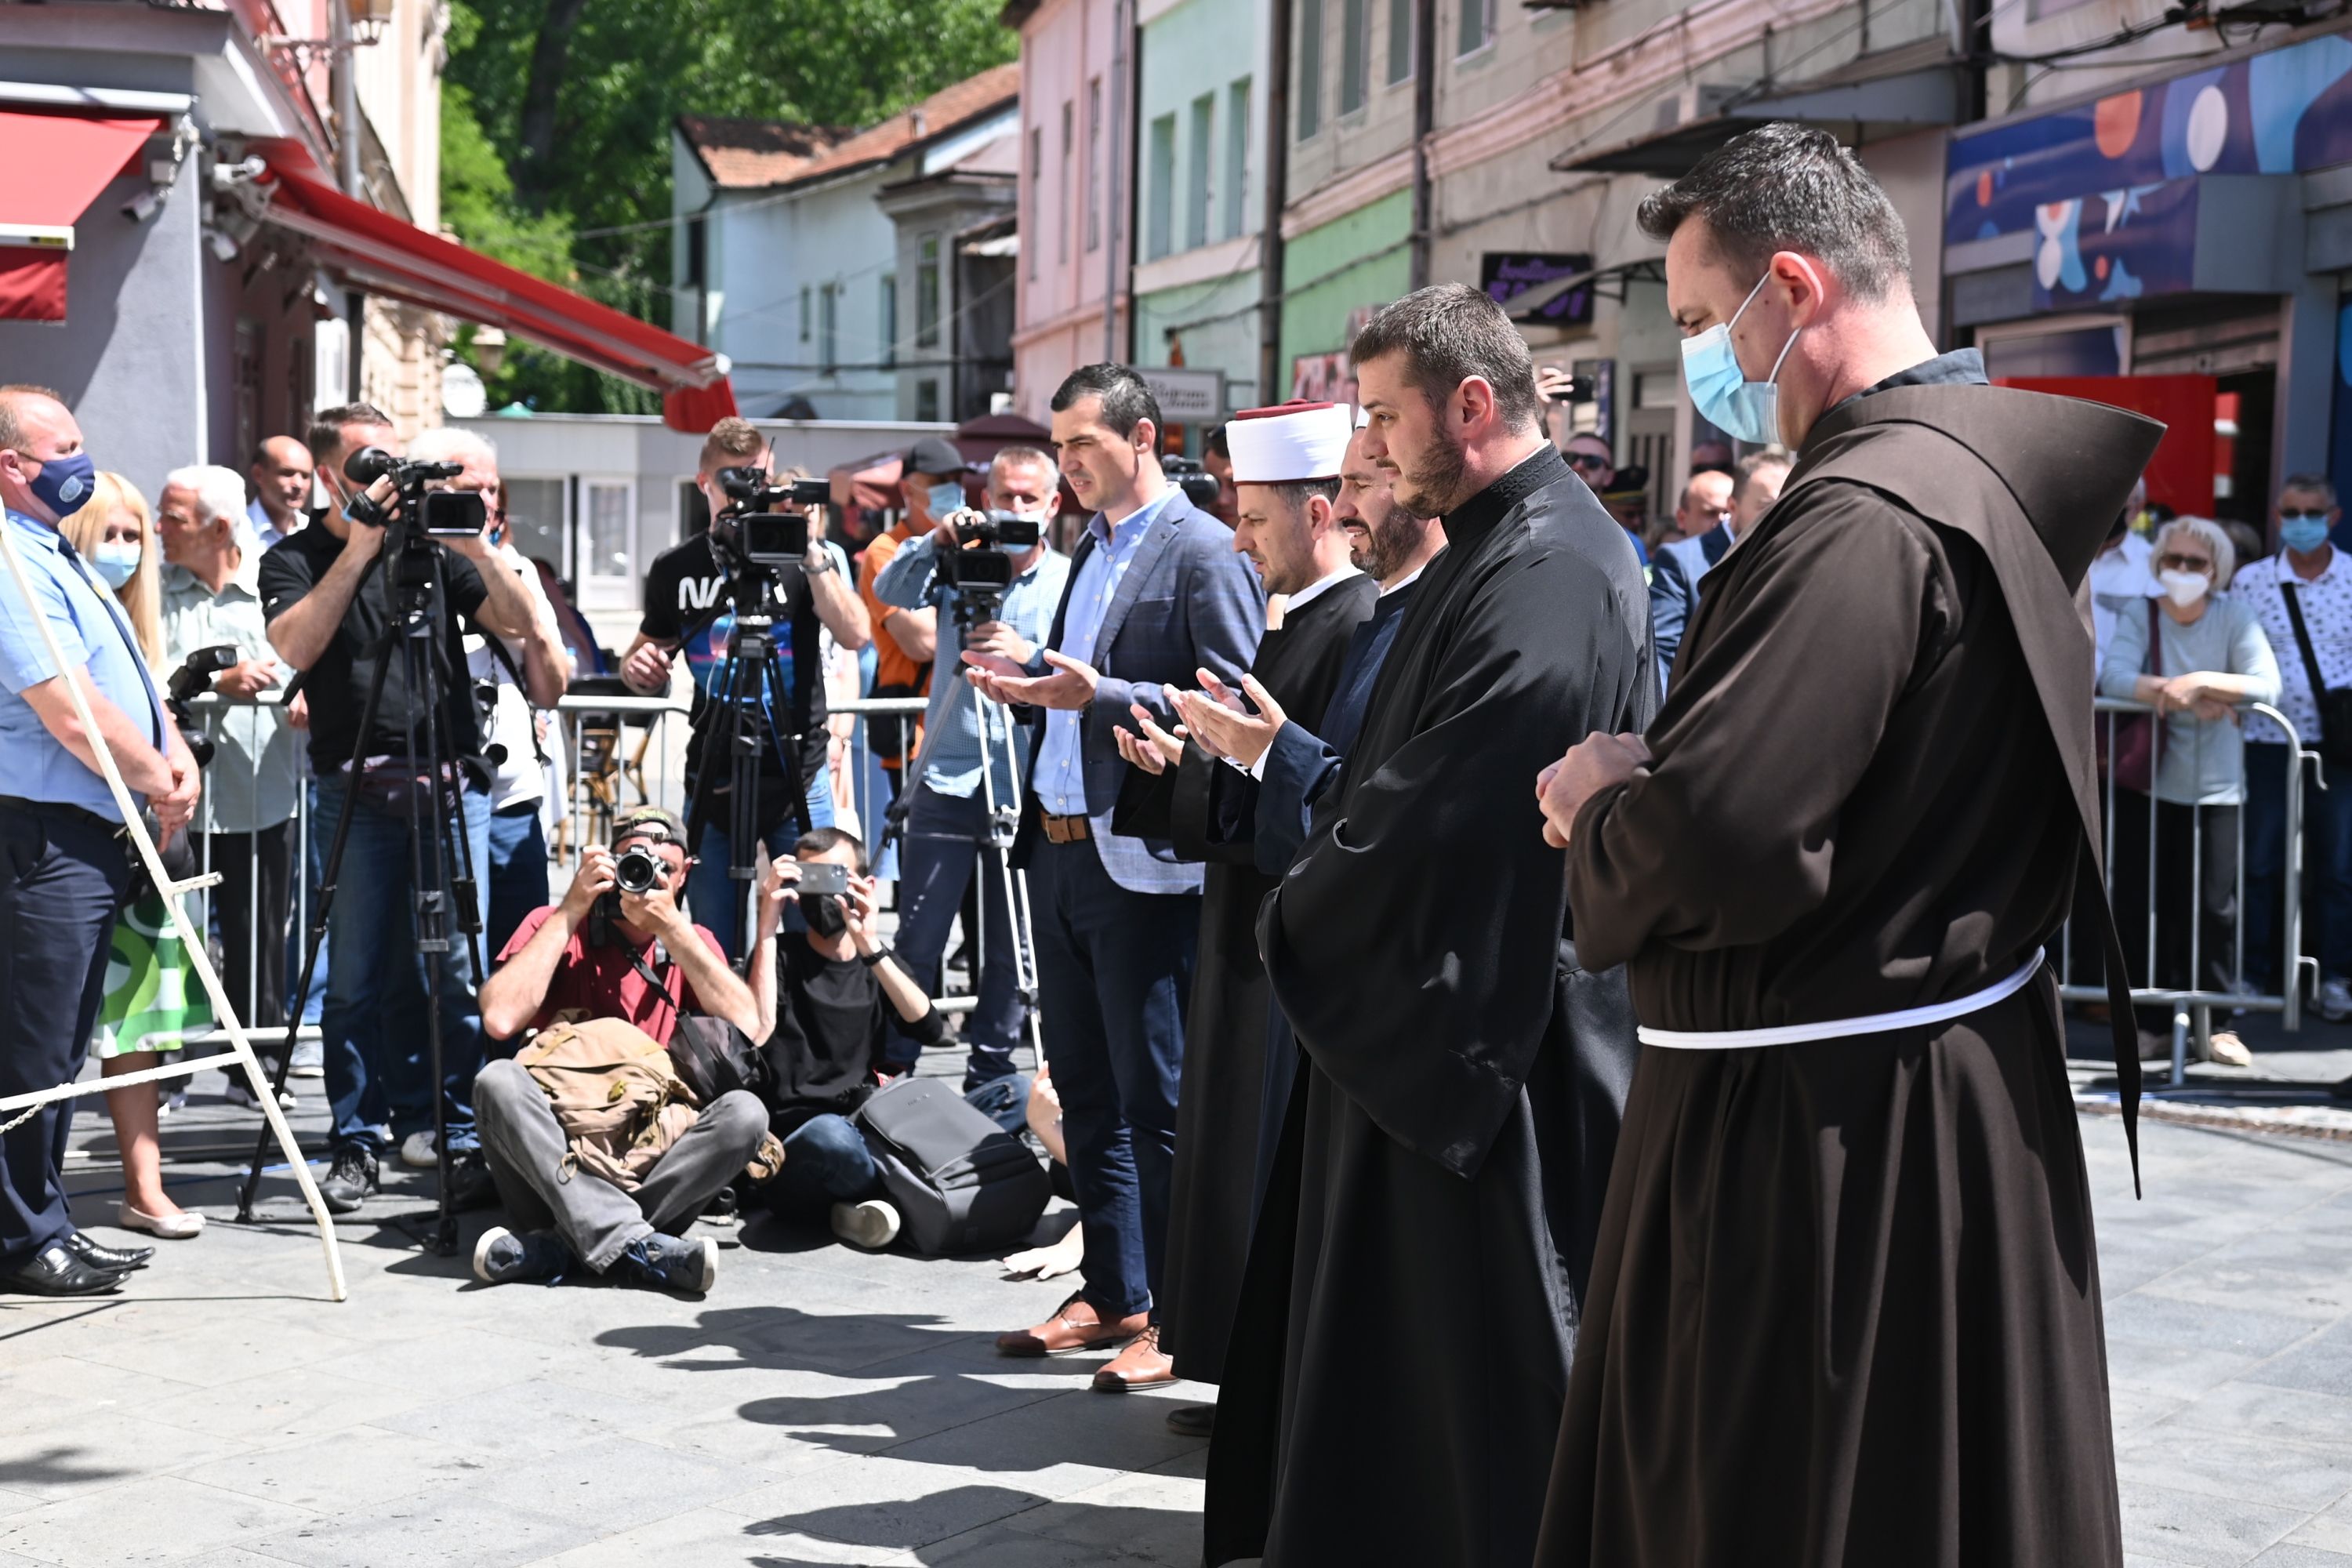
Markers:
point(2336, 1001)
point(417, 1151)
point(872, 1224)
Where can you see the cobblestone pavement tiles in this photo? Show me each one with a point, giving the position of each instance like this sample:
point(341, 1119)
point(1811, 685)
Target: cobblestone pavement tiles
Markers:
point(825, 1407)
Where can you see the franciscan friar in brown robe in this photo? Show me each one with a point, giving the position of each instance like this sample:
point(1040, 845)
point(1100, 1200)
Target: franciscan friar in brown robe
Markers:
point(1845, 1307)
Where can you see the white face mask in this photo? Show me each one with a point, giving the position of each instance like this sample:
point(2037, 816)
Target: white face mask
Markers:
point(2185, 588)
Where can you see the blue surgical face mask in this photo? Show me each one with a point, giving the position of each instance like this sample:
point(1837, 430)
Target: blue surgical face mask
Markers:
point(945, 498)
point(1742, 409)
point(64, 484)
point(116, 560)
point(2302, 532)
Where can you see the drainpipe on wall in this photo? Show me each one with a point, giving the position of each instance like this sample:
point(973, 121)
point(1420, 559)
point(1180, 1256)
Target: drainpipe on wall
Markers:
point(1133, 34)
point(1112, 202)
point(1424, 124)
point(347, 97)
point(1277, 177)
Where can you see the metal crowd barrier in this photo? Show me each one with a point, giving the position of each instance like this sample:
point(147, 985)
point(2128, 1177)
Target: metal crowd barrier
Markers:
point(2147, 849)
point(617, 752)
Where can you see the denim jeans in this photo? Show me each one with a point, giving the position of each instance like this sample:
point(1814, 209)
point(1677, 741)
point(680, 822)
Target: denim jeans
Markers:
point(311, 1005)
point(2326, 867)
point(942, 846)
point(377, 1060)
point(1114, 976)
point(517, 875)
point(825, 1163)
point(716, 901)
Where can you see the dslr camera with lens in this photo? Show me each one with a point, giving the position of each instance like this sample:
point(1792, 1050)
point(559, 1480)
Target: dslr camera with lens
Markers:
point(750, 529)
point(635, 869)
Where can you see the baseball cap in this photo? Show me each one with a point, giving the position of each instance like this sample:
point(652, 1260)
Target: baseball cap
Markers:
point(933, 455)
point(652, 822)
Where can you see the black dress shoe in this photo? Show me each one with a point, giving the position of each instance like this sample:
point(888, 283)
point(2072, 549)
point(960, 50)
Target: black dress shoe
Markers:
point(121, 1259)
point(471, 1187)
point(56, 1271)
point(1193, 1420)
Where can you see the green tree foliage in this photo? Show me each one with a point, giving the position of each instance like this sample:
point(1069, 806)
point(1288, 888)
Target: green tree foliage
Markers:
point(556, 118)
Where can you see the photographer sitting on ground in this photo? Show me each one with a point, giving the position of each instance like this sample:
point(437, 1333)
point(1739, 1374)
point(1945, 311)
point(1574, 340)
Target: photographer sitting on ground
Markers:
point(606, 952)
point(845, 991)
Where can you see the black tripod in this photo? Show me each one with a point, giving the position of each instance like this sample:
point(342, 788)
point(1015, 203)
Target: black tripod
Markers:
point(747, 684)
point(434, 795)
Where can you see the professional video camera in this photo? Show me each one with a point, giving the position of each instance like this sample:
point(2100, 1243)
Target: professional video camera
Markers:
point(750, 529)
point(982, 571)
point(189, 681)
point(1199, 485)
point(439, 514)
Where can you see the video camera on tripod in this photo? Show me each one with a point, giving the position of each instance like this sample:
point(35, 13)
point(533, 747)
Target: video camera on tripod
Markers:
point(438, 514)
point(751, 530)
point(981, 570)
point(1199, 485)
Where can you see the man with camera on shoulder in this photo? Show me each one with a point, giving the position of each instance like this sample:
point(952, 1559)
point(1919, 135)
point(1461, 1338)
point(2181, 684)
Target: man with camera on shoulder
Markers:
point(328, 596)
point(616, 948)
point(829, 1000)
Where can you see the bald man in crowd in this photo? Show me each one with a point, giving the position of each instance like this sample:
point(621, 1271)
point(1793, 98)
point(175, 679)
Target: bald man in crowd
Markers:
point(280, 473)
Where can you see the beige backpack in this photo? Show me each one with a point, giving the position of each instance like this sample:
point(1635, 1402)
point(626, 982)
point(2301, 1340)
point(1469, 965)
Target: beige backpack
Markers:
point(619, 1101)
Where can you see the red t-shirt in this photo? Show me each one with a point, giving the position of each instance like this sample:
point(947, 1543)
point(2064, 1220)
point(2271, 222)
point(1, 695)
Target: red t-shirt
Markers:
point(601, 983)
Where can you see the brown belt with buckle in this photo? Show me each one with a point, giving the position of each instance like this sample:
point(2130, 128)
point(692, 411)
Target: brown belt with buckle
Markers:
point(1063, 829)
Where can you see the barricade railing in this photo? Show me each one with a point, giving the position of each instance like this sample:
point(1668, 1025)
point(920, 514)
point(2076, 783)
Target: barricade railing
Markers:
point(2179, 876)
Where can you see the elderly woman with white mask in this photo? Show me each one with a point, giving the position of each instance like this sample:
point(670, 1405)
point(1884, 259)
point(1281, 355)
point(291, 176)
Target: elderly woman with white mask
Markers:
point(2193, 654)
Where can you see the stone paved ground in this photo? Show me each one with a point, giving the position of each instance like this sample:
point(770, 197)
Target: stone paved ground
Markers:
point(825, 1407)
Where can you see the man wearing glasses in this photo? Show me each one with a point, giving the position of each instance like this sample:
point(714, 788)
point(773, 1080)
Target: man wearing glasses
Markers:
point(1588, 455)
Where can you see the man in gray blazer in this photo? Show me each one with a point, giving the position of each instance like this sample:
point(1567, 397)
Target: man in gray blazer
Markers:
point(1156, 593)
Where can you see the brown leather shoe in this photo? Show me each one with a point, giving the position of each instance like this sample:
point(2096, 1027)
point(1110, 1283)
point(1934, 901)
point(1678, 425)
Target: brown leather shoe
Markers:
point(1142, 1365)
point(1075, 1326)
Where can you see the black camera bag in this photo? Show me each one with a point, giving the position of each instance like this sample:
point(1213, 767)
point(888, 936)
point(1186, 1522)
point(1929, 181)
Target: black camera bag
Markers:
point(961, 1183)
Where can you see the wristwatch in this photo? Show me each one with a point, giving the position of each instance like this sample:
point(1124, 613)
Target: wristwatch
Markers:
point(871, 959)
point(818, 561)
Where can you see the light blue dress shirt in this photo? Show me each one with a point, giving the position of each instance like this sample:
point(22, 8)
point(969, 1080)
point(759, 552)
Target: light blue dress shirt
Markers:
point(90, 630)
point(952, 725)
point(1060, 779)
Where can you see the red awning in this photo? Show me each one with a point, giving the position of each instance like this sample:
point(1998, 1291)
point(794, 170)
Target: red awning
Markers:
point(379, 253)
point(57, 165)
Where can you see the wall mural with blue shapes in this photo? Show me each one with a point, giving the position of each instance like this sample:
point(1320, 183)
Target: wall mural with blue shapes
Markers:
point(2108, 188)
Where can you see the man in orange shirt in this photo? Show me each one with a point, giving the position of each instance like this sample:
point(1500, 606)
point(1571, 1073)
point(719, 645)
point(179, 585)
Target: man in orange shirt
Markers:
point(931, 484)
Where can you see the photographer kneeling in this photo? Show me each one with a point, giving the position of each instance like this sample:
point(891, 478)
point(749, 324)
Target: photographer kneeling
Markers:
point(616, 948)
point(845, 993)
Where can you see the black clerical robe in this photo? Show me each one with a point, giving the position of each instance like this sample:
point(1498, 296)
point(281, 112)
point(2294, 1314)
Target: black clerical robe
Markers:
point(1299, 767)
point(1845, 1309)
point(1399, 1356)
point(1212, 809)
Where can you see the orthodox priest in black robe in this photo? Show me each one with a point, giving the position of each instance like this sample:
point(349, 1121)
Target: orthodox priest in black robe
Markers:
point(1286, 472)
point(1402, 1346)
point(1845, 1308)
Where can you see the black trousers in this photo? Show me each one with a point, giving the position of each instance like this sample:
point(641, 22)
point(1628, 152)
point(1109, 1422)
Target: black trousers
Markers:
point(2188, 900)
point(61, 879)
point(252, 905)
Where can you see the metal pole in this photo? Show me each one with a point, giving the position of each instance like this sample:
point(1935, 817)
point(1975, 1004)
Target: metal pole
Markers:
point(347, 101)
point(1275, 169)
point(1119, 27)
point(1424, 126)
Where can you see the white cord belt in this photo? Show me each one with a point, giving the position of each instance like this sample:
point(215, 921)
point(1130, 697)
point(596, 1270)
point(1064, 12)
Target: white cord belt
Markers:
point(1840, 1028)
